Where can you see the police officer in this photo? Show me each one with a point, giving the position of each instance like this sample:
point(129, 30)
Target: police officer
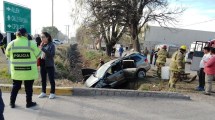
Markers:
point(23, 56)
point(161, 60)
point(177, 66)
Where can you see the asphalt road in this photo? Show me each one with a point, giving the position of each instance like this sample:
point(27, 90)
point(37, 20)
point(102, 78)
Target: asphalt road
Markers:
point(110, 108)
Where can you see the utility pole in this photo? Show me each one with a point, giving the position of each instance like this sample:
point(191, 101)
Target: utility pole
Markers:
point(52, 13)
point(67, 32)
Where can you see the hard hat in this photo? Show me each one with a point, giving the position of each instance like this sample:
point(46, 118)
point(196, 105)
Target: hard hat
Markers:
point(164, 47)
point(184, 47)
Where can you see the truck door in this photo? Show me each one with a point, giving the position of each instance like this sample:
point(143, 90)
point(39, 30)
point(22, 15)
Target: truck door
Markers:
point(198, 54)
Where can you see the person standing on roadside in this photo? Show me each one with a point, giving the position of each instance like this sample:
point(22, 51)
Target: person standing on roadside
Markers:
point(47, 64)
point(121, 50)
point(177, 66)
point(156, 56)
point(101, 62)
point(161, 60)
point(13, 37)
point(23, 55)
point(146, 52)
point(201, 72)
point(152, 55)
point(38, 42)
point(1, 43)
point(113, 52)
point(209, 70)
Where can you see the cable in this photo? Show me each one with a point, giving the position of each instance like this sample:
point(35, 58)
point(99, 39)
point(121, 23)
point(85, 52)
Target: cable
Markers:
point(199, 23)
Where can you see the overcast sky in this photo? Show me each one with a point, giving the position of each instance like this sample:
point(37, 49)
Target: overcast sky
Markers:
point(200, 14)
point(41, 13)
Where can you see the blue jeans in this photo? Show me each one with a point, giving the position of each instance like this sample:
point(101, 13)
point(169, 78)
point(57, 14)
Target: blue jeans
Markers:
point(120, 54)
point(1, 106)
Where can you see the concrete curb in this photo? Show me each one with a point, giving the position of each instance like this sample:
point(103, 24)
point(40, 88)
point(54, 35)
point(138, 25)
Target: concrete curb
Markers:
point(69, 91)
point(64, 91)
point(127, 93)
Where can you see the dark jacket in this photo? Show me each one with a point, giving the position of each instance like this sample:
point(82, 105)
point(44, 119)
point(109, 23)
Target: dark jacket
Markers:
point(49, 50)
point(1, 37)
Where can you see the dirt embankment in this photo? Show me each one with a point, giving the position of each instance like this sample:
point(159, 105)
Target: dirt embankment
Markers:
point(68, 63)
point(75, 62)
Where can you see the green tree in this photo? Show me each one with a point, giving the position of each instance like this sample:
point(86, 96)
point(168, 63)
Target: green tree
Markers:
point(53, 31)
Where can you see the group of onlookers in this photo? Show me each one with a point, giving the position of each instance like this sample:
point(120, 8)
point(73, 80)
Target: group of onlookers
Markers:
point(153, 55)
point(207, 71)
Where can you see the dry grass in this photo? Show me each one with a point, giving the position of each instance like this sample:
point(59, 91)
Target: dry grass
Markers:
point(4, 76)
point(155, 84)
point(61, 62)
point(62, 66)
point(91, 58)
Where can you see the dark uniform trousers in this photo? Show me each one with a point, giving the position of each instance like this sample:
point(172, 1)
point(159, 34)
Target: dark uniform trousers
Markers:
point(28, 89)
point(1, 106)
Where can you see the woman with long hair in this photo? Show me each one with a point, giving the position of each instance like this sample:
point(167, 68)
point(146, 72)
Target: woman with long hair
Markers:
point(47, 64)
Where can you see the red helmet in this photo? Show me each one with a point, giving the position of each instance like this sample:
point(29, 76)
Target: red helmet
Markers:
point(164, 47)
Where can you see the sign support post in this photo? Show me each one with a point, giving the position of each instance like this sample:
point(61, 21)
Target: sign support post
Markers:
point(8, 41)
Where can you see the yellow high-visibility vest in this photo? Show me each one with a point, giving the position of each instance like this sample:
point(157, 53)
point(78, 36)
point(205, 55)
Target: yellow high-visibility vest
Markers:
point(23, 55)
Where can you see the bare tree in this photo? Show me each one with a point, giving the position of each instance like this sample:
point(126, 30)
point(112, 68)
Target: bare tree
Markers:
point(140, 12)
point(86, 35)
point(114, 16)
point(107, 16)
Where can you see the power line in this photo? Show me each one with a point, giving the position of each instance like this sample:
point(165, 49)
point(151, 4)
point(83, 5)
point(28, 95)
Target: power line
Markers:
point(198, 23)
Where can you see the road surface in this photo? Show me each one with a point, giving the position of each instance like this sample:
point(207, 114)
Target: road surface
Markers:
point(111, 108)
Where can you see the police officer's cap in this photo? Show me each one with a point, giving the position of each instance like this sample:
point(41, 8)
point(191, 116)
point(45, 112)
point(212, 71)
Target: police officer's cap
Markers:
point(22, 31)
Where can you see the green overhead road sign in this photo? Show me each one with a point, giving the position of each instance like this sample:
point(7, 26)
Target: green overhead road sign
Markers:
point(15, 17)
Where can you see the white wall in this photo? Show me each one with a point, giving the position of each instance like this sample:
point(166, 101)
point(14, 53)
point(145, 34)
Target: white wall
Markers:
point(178, 37)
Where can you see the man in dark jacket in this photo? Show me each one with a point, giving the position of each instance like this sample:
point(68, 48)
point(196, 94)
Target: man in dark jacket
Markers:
point(156, 56)
point(13, 37)
point(1, 43)
point(151, 56)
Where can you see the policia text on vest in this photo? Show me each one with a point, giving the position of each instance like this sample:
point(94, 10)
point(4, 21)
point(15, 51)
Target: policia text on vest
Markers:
point(26, 55)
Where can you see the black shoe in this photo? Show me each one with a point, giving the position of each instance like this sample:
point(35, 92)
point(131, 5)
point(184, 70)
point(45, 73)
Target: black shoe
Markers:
point(207, 93)
point(12, 105)
point(31, 104)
